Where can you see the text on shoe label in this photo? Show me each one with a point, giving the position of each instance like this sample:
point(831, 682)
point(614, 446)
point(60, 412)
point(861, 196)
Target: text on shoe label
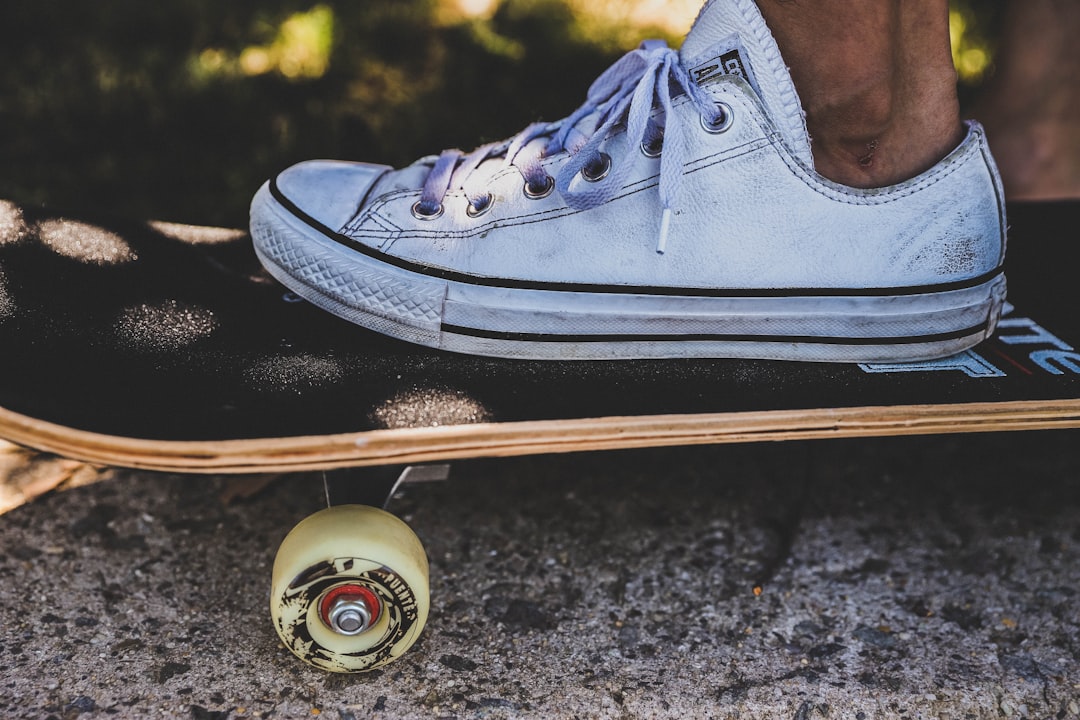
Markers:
point(730, 63)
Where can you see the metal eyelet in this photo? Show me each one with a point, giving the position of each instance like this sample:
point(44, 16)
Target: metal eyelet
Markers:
point(597, 170)
point(486, 203)
point(540, 193)
point(653, 149)
point(722, 122)
point(419, 214)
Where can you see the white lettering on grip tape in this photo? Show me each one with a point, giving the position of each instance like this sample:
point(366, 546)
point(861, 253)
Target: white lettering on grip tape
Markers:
point(1057, 362)
point(970, 363)
point(1028, 333)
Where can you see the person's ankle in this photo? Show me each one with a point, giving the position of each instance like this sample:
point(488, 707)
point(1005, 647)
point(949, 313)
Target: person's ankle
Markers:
point(876, 81)
point(876, 142)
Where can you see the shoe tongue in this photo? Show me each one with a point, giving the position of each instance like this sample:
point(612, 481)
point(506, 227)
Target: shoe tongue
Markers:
point(730, 37)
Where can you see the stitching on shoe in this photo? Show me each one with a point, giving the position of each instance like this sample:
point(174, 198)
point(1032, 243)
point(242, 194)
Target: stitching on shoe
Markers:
point(789, 96)
point(960, 157)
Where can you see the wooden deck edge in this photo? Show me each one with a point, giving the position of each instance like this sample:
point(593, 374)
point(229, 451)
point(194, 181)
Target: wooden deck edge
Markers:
point(419, 445)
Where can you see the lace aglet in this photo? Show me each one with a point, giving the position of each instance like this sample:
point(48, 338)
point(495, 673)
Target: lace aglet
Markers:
point(665, 226)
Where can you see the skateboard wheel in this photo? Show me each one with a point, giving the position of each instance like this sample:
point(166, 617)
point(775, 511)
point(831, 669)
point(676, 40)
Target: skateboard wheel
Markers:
point(350, 589)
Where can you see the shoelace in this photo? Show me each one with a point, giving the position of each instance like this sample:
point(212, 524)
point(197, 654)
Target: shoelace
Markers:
point(626, 92)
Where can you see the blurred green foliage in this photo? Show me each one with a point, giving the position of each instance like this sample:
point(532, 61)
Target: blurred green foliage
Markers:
point(179, 109)
point(973, 25)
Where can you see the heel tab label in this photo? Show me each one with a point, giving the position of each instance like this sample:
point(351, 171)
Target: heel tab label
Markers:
point(730, 63)
point(728, 57)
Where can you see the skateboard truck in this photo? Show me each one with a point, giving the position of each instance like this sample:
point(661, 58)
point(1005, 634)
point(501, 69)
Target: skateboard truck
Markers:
point(375, 486)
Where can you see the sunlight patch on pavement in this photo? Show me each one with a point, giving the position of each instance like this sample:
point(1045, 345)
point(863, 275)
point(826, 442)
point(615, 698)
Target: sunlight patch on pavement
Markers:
point(7, 307)
point(429, 407)
point(197, 234)
point(12, 225)
point(164, 327)
point(87, 243)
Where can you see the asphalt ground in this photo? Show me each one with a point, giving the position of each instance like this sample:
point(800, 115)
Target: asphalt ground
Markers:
point(888, 578)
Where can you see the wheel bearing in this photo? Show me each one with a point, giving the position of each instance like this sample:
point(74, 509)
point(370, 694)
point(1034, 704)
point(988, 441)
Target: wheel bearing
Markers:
point(349, 610)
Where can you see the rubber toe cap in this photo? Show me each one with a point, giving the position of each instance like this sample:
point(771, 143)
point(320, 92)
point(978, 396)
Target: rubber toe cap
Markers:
point(328, 191)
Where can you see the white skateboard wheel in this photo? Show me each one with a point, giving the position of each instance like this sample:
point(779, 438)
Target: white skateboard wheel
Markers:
point(350, 589)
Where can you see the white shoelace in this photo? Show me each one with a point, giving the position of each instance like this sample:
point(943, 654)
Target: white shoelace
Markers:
point(626, 93)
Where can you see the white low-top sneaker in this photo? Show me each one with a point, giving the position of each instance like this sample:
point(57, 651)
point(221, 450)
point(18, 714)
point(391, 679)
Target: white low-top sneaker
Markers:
point(677, 213)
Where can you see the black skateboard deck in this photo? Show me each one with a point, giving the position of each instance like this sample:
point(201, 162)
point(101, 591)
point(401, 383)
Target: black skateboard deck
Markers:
point(164, 346)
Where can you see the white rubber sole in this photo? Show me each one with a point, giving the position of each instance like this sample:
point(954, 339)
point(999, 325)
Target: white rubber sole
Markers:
point(450, 312)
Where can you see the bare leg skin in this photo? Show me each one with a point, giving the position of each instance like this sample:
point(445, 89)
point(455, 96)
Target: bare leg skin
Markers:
point(876, 80)
point(1031, 107)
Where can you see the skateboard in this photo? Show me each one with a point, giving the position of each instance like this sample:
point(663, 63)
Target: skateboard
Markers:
point(166, 347)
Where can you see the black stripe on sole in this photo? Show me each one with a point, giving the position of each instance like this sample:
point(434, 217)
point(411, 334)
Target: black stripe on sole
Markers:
point(709, 337)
